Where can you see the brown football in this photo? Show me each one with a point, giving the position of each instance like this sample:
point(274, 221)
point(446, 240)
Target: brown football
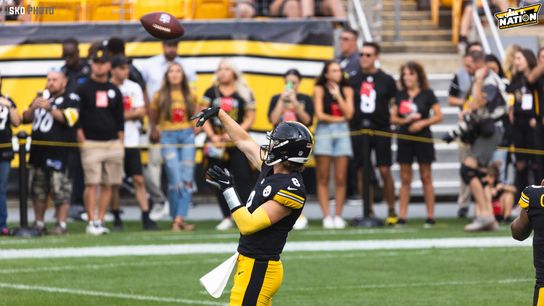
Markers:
point(162, 25)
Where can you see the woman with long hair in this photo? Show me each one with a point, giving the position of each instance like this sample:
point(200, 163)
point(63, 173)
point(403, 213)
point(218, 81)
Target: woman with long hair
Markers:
point(333, 104)
point(230, 92)
point(415, 110)
point(523, 117)
point(170, 110)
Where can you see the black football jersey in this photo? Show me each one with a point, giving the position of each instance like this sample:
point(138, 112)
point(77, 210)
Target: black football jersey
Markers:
point(287, 190)
point(532, 199)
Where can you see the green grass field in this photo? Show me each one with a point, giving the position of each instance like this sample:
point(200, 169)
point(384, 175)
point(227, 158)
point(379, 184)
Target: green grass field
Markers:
point(446, 276)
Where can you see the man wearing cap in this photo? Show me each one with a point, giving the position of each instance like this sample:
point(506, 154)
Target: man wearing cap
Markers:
point(101, 134)
point(134, 107)
point(54, 114)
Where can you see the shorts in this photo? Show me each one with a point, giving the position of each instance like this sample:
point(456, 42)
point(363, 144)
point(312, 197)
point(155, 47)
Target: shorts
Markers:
point(381, 147)
point(483, 148)
point(333, 139)
point(133, 162)
point(422, 152)
point(256, 281)
point(48, 182)
point(102, 162)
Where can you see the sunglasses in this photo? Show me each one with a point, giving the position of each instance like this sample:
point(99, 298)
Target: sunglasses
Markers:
point(366, 54)
point(345, 38)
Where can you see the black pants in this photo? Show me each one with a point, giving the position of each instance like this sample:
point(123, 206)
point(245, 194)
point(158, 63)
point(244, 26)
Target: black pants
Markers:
point(238, 165)
point(78, 185)
point(524, 137)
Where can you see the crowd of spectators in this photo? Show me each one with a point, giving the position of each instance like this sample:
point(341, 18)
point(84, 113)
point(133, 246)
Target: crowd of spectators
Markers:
point(112, 108)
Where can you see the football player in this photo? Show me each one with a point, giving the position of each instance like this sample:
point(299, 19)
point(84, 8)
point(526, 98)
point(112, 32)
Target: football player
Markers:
point(532, 218)
point(272, 208)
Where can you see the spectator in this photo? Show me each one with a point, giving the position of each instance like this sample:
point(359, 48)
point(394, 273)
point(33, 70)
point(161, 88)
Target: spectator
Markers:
point(134, 112)
point(53, 115)
point(307, 8)
point(373, 92)
point(170, 110)
point(76, 69)
point(229, 91)
point(116, 47)
point(246, 9)
point(508, 62)
point(541, 55)
point(500, 194)
point(9, 117)
point(536, 79)
point(502, 158)
point(523, 117)
point(412, 116)
point(486, 105)
point(467, 17)
point(349, 54)
point(101, 137)
point(153, 71)
point(291, 105)
point(333, 102)
point(458, 92)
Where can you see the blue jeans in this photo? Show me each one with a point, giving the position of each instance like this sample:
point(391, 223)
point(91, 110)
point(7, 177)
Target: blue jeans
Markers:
point(4, 172)
point(180, 168)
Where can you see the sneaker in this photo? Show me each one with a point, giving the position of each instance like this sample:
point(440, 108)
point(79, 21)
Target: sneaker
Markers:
point(429, 223)
point(224, 225)
point(400, 223)
point(507, 220)
point(392, 218)
point(159, 211)
point(118, 225)
point(301, 223)
point(42, 230)
point(4, 231)
point(150, 225)
point(328, 222)
point(482, 224)
point(339, 223)
point(58, 230)
point(96, 229)
point(462, 212)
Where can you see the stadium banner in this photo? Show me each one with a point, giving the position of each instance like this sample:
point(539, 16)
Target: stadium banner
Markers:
point(263, 50)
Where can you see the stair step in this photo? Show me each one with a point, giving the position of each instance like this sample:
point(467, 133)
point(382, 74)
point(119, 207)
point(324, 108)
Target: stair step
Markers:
point(417, 35)
point(407, 15)
point(404, 6)
point(419, 46)
point(409, 25)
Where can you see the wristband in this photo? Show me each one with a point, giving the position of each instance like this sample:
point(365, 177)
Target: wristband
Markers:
point(233, 201)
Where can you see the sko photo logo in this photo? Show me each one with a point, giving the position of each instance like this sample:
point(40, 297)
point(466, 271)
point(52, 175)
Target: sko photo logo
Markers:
point(518, 17)
point(11, 7)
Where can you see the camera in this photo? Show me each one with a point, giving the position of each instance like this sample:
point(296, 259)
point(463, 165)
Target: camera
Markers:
point(466, 130)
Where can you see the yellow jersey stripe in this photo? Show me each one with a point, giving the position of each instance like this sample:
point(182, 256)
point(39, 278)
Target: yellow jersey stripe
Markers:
point(290, 197)
point(523, 195)
point(523, 204)
point(288, 202)
point(291, 194)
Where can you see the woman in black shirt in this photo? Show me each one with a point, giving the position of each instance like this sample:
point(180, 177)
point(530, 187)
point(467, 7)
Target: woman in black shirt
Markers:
point(523, 118)
point(412, 116)
point(230, 92)
point(291, 105)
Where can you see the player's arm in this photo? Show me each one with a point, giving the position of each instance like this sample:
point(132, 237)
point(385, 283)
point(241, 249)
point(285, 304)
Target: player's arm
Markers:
point(237, 134)
point(521, 227)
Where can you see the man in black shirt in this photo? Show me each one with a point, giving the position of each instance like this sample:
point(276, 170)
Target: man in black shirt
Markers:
point(374, 91)
point(101, 135)
point(53, 114)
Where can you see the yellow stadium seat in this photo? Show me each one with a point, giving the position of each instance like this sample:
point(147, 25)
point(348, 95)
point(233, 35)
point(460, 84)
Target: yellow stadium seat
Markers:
point(178, 8)
point(65, 11)
point(108, 10)
point(211, 9)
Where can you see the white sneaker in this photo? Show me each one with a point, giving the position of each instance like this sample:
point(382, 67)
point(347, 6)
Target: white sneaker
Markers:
point(301, 223)
point(339, 222)
point(224, 225)
point(96, 229)
point(328, 222)
point(158, 211)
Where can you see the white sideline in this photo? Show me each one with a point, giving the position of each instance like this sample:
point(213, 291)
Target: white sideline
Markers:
point(297, 246)
point(106, 294)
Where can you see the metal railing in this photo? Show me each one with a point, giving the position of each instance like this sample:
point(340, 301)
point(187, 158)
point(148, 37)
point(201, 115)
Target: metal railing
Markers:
point(358, 20)
point(492, 28)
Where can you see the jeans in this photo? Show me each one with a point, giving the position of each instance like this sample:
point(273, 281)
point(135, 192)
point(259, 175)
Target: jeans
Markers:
point(180, 168)
point(4, 172)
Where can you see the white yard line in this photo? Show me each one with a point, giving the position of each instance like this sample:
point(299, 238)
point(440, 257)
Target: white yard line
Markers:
point(124, 296)
point(296, 246)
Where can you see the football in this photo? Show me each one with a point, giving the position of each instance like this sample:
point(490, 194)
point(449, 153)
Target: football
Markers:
point(162, 25)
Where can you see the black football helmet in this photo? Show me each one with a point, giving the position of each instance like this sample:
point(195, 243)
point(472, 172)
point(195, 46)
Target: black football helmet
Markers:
point(289, 141)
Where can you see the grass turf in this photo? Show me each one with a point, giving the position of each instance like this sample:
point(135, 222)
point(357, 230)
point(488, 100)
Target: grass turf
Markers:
point(477, 276)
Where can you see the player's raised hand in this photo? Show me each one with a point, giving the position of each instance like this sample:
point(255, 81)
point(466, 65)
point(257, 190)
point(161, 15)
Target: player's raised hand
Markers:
point(206, 114)
point(220, 178)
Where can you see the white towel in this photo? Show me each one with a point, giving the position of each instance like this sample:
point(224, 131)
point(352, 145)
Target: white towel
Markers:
point(216, 280)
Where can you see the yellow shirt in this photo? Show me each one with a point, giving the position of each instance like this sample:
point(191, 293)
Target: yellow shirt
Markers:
point(179, 118)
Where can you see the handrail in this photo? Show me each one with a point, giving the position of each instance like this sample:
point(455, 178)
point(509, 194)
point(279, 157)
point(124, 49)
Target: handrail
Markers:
point(494, 31)
point(363, 23)
point(480, 28)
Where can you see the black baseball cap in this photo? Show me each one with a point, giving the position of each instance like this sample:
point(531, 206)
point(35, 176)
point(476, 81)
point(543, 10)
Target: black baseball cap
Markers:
point(118, 61)
point(101, 55)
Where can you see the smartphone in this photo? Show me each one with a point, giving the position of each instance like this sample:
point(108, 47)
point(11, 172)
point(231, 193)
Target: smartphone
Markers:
point(39, 94)
point(289, 86)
